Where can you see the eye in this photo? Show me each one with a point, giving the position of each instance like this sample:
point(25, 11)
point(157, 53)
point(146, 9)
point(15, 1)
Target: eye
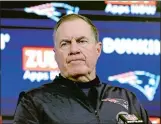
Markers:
point(63, 44)
point(82, 41)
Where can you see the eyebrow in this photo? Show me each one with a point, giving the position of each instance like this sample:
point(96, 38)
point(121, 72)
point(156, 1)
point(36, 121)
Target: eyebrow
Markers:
point(77, 39)
point(81, 37)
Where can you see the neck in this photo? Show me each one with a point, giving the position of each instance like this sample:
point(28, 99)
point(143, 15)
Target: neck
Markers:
point(81, 78)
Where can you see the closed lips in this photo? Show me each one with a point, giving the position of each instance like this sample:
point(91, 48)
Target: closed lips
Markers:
point(75, 60)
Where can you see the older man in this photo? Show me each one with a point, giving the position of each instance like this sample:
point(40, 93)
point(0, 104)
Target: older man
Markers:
point(76, 95)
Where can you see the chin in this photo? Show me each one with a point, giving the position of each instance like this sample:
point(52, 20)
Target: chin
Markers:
point(78, 71)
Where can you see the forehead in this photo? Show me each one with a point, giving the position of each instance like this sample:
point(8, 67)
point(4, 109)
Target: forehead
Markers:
point(73, 28)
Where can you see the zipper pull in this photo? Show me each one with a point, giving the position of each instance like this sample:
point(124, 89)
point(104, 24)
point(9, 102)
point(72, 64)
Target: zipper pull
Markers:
point(97, 116)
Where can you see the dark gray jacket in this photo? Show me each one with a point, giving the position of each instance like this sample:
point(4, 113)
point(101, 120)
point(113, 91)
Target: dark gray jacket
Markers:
point(66, 102)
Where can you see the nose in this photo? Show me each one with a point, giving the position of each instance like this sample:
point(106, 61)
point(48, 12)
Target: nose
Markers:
point(74, 48)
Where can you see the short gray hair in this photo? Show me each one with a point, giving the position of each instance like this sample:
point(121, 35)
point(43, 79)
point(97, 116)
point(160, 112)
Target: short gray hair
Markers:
point(77, 16)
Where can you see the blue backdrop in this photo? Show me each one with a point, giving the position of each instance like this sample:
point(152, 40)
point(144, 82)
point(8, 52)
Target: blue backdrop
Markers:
point(130, 58)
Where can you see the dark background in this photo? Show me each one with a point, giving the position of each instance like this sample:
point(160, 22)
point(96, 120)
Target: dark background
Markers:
point(10, 10)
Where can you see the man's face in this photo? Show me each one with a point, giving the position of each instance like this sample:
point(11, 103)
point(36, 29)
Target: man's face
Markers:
point(76, 50)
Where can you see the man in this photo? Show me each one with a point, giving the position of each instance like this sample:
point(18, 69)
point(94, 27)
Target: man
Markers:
point(76, 95)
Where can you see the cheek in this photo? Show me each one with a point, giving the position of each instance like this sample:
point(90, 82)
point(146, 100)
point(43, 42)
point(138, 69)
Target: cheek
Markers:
point(61, 59)
point(91, 58)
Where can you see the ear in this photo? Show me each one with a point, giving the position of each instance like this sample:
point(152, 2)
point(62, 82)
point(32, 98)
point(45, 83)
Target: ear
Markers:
point(99, 48)
point(55, 56)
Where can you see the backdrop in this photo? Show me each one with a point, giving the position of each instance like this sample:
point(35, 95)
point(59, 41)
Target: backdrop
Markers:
point(130, 58)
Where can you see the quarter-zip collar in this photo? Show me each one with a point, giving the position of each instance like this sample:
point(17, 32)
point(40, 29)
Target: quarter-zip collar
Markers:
point(69, 83)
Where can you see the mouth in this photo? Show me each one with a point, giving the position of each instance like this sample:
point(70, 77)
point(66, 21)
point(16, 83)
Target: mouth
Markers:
point(76, 61)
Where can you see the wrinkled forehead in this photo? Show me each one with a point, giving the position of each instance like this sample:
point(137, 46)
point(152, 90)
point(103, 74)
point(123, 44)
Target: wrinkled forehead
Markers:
point(73, 29)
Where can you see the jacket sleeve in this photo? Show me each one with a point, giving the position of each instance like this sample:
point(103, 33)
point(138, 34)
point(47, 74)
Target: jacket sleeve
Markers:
point(137, 106)
point(26, 112)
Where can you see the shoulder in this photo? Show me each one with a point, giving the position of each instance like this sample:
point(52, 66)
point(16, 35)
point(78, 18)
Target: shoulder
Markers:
point(114, 91)
point(122, 96)
point(46, 88)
